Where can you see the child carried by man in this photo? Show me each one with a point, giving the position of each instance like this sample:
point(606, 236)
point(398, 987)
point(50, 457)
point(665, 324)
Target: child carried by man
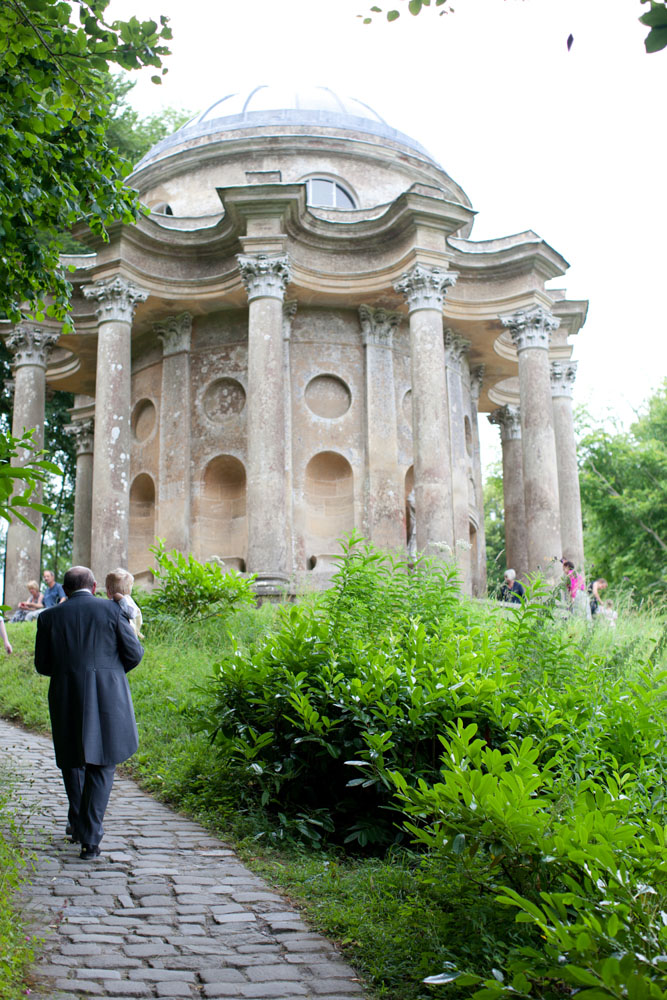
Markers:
point(119, 588)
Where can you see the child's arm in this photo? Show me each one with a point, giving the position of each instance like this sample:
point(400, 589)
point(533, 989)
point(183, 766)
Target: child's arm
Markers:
point(3, 636)
point(128, 608)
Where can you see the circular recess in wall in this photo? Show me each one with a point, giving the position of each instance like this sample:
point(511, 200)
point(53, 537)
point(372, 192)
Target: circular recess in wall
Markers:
point(468, 433)
point(407, 406)
point(144, 417)
point(328, 396)
point(223, 398)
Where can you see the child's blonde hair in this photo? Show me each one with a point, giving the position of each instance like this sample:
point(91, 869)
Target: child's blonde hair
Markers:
point(119, 582)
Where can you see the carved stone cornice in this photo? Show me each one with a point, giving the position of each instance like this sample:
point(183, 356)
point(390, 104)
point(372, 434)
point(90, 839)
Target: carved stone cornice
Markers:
point(563, 374)
point(289, 312)
point(31, 345)
point(455, 348)
point(508, 418)
point(476, 380)
point(530, 327)
point(117, 298)
point(83, 432)
point(424, 287)
point(377, 326)
point(175, 332)
point(265, 276)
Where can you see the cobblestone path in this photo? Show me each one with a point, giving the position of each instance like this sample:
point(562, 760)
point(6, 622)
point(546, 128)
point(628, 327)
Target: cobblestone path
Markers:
point(167, 911)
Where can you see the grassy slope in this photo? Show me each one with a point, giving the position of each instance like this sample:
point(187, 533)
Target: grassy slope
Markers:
point(394, 917)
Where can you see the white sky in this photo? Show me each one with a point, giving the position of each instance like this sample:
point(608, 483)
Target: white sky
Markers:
point(572, 145)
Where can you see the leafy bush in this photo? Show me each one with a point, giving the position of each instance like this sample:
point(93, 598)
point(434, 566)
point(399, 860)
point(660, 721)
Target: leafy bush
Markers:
point(188, 590)
point(17, 946)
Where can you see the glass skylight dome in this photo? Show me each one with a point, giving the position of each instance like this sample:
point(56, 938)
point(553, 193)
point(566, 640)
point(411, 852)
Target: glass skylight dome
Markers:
point(265, 106)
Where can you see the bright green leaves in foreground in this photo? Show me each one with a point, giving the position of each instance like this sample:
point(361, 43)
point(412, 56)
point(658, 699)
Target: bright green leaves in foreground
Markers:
point(56, 166)
point(18, 482)
point(526, 764)
point(656, 19)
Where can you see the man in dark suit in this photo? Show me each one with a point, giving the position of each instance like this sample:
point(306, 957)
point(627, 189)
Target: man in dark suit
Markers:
point(87, 646)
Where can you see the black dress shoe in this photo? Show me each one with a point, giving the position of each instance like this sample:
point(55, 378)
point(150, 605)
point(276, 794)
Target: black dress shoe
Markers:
point(89, 851)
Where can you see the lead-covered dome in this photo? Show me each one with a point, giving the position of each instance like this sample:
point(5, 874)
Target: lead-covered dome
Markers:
point(266, 106)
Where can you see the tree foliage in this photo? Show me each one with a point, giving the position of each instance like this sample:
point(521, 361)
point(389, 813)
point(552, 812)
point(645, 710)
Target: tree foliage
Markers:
point(624, 497)
point(57, 165)
point(494, 528)
point(655, 18)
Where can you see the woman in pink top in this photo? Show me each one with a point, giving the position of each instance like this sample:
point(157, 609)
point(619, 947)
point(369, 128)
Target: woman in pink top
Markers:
point(576, 588)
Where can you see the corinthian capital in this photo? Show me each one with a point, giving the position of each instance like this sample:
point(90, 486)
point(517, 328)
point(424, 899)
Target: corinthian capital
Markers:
point(265, 277)
point(563, 374)
point(455, 348)
point(117, 298)
point(174, 332)
point(424, 287)
point(31, 345)
point(83, 432)
point(530, 327)
point(377, 326)
point(508, 418)
point(476, 380)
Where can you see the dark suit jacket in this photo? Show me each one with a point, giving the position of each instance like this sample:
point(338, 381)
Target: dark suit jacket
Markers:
point(86, 646)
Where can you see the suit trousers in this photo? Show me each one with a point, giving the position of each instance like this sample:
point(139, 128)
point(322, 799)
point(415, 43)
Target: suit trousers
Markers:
point(88, 789)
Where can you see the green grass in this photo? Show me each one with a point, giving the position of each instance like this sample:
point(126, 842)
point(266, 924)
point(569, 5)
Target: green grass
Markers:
point(398, 917)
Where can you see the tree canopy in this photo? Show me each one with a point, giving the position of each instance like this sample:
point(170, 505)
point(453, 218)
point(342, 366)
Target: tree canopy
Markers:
point(623, 479)
point(655, 18)
point(57, 164)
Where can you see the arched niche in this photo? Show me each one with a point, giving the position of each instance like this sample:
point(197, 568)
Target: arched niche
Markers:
point(142, 523)
point(222, 510)
point(329, 494)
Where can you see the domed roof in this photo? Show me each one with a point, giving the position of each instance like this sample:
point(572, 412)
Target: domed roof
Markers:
point(267, 106)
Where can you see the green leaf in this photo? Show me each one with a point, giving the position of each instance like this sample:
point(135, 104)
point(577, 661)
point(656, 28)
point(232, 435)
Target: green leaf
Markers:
point(393, 14)
point(656, 40)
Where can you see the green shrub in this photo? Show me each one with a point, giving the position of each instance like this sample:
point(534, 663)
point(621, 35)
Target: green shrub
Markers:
point(188, 590)
point(17, 944)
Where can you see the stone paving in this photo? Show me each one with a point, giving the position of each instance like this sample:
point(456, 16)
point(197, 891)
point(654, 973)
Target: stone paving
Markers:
point(167, 911)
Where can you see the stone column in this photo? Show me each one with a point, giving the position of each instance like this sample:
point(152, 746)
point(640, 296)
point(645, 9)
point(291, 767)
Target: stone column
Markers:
point(479, 574)
point(455, 348)
point(83, 433)
point(266, 277)
point(384, 501)
point(31, 347)
point(116, 300)
point(563, 375)
point(531, 330)
point(516, 549)
point(424, 290)
point(173, 506)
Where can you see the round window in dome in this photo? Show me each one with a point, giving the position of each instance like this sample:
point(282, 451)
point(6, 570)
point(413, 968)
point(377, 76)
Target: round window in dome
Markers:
point(323, 192)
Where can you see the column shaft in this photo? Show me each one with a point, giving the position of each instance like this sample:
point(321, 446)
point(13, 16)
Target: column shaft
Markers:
point(572, 534)
point(83, 431)
point(385, 511)
point(267, 542)
point(516, 548)
point(454, 349)
point(531, 331)
point(174, 497)
point(479, 571)
point(31, 347)
point(424, 289)
point(117, 299)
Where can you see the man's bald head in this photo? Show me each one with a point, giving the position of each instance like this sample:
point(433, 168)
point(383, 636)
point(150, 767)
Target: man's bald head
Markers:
point(78, 578)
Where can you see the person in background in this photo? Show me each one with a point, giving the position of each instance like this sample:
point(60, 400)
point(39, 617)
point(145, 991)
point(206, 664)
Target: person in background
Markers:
point(576, 589)
point(35, 602)
point(609, 613)
point(119, 589)
point(511, 590)
point(54, 594)
point(595, 591)
point(3, 636)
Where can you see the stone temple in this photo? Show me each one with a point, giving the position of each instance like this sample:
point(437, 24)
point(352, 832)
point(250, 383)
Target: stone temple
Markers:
point(297, 342)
